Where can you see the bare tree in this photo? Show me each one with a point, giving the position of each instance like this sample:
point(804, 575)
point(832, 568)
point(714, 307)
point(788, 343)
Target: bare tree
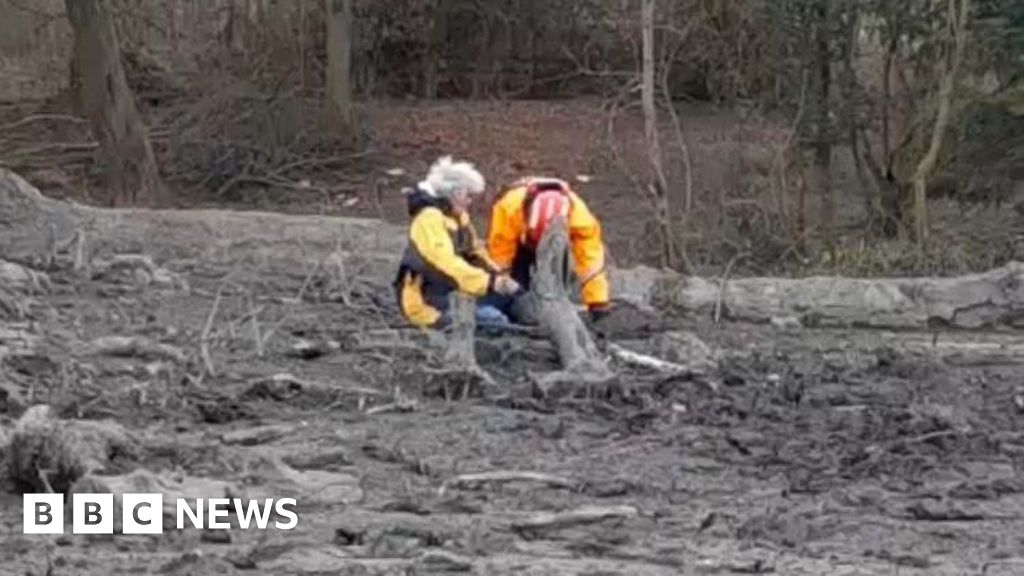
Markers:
point(436, 35)
point(659, 184)
point(822, 172)
point(109, 104)
point(339, 65)
point(949, 66)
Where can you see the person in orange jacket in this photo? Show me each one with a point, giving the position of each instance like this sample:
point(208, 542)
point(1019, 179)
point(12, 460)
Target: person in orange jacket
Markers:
point(519, 217)
point(443, 253)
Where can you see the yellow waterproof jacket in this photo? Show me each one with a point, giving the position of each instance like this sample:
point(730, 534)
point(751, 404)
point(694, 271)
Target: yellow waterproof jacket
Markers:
point(443, 255)
point(508, 231)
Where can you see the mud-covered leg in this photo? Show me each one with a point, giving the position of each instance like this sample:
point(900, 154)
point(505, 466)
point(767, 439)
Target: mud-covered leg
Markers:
point(459, 374)
point(459, 350)
point(582, 363)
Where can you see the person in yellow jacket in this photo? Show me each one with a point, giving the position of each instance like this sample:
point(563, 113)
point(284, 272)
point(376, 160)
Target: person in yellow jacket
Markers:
point(519, 217)
point(443, 253)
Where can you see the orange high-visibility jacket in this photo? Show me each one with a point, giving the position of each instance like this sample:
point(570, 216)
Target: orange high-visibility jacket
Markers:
point(507, 232)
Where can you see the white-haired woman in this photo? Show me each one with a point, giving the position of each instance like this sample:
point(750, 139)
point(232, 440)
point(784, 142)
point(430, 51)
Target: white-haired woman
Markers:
point(444, 253)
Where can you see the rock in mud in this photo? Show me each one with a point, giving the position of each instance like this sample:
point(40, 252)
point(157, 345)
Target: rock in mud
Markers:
point(685, 348)
point(258, 435)
point(47, 450)
point(215, 537)
point(323, 460)
point(440, 561)
point(744, 564)
point(19, 278)
point(786, 322)
point(138, 270)
point(308, 487)
point(18, 339)
point(941, 511)
point(143, 481)
point(12, 401)
point(195, 562)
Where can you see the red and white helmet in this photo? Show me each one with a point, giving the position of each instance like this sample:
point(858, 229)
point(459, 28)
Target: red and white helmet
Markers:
point(546, 199)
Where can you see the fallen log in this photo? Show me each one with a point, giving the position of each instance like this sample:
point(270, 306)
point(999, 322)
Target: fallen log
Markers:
point(983, 300)
point(33, 228)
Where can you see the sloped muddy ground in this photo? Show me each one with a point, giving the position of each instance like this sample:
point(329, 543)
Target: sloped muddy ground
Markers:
point(822, 451)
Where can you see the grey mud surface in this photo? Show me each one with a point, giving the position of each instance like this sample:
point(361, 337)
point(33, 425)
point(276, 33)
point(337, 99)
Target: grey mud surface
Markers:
point(825, 452)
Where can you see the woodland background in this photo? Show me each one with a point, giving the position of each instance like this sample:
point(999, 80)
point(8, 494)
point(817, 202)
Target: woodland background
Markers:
point(860, 137)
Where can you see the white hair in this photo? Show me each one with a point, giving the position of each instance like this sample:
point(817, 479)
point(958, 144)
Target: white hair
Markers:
point(447, 178)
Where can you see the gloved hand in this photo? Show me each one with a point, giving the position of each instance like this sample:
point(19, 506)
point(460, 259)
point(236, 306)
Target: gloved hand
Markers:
point(506, 286)
point(598, 311)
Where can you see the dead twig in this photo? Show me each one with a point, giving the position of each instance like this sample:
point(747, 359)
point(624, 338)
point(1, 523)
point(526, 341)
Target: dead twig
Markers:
point(130, 346)
point(320, 162)
point(401, 404)
point(41, 118)
point(506, 476)
point(204, 338)
point(724, 283)
point(650, 362)
point(558, 520)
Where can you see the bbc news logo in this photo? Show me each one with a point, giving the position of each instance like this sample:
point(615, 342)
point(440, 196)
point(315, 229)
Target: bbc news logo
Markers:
point(144, 513)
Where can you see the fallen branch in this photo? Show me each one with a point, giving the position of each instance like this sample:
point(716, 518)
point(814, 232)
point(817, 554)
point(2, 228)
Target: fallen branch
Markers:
point(204, 338)
point(724, 282)
point(506, 476)
point(400, 405)
point(319, 162)
point(283, 386)
point(135, 346)
point(558, 520)
point(645, 361)
point(39, 118)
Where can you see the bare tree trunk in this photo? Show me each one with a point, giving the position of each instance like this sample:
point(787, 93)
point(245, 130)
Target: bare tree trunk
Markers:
point(957, 21)
point(531, 43)
point(109, 104)
point(302, 44)
point(228, 33)
point(339, 65)
point(172, 26)
point(801, 204)
point(659, 185)
point(890, 55)
point(823, 146)
point(684, 149)
point(872, 199)
point(482, 60)
point(437, 33)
